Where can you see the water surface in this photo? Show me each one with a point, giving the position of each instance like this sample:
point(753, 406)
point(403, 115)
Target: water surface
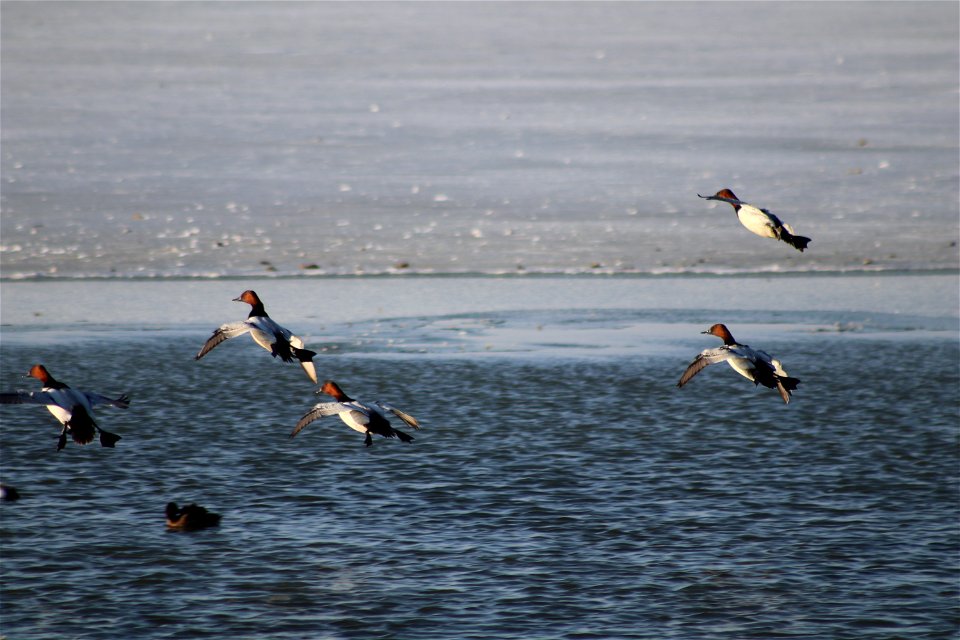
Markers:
point(561, 486)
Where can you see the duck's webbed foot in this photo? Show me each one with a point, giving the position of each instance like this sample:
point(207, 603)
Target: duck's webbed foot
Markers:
point(108, 439)
point(368, 440)
point(62, 440)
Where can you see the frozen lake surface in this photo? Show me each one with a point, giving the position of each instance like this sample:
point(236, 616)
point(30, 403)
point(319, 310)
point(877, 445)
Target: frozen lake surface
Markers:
point(206, 139)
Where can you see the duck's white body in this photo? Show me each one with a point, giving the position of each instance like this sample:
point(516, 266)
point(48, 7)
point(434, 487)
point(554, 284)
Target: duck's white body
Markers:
point(760, 221)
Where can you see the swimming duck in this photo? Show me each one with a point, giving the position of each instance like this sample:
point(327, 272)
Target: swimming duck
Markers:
point(760, 221)
point(753, 364)
point(190, 518)
point(74, 409)
point(367, 418)
point(265, 332)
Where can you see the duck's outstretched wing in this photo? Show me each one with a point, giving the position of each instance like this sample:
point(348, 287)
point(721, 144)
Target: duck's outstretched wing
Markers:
point(95, 398)
point(27, 397)
point(45, 398)
point(406, 417)
point(318, 411)
point(225, 332)
point(705, 359)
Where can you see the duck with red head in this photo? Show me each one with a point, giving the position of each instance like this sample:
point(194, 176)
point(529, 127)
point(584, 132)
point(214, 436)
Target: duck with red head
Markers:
point(366, 417)
point(72, 408)
point(721, 331)
point(760, 221)
point(756, 366)
point(279, 341)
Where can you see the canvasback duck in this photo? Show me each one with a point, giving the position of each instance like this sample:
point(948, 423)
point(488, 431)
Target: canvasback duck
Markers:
point(367, 418)
point(73, 408)
point(190, 518)
point(753, 364)
point(760, 221)
point(280, 342)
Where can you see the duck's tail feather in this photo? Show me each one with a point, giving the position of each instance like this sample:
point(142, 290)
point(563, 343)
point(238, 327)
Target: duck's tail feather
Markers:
point(789, 383)
point(81, 426)
point(209, 519)
point(303, 355)
point(797, 242)
point(404, 437)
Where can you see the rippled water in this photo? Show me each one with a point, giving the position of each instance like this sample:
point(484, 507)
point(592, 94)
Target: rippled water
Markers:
point(561, 486)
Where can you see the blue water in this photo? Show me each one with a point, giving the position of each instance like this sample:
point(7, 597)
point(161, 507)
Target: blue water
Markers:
point(561, 486)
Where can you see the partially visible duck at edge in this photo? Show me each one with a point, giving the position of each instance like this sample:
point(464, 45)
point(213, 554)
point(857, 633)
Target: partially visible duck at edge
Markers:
point(73, 408)
point(754, 365)
point(279, 341)
point(760, 221)
point(367, 418)
point(190, 518)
